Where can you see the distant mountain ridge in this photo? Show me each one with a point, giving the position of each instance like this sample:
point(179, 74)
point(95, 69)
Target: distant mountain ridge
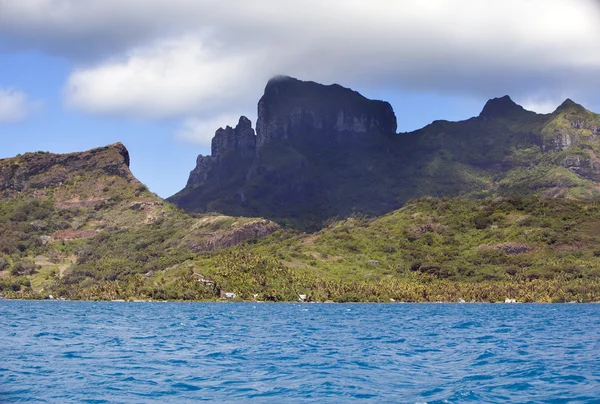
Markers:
point(326, 151)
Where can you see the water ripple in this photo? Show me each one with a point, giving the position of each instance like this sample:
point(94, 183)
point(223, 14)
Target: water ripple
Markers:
point(58, 352)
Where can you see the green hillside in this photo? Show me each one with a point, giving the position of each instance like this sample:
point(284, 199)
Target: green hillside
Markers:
point(74, 221)
point(528, 249)
point(451, 249)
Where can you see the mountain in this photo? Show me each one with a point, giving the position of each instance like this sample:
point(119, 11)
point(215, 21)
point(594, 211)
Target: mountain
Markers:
point(326, 151)
point(311, 144)
point(80, 226)
point(77, 219)
point(517, 215)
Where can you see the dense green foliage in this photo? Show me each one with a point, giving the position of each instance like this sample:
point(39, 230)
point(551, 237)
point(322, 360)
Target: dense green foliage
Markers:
point(529, 249)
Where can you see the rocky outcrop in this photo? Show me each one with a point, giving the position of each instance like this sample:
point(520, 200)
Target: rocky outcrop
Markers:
point(233, 236)
point(301, 127)
point(240, 140)
point(502, 107)
point(229, 146)
point(300, 112)
point(41, 169)
point(585, 165)
point(200, 173)
point(574, 162)
point(561, 141)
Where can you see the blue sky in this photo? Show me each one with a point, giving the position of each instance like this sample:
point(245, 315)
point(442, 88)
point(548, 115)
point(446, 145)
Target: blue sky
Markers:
point(77, 75)
point(158, 158)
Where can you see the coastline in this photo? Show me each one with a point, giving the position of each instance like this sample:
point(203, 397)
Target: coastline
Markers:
point(221, 301)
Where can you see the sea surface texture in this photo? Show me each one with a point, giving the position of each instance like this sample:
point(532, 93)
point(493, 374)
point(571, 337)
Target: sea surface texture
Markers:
point(61, 352)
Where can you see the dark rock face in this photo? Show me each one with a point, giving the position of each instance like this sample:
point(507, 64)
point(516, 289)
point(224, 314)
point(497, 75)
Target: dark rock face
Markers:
point(40, 170)
point(307, 112)
point(304, 127)
point(501, 107)
point(240, 140)
point(286, 166)
point(200, 173)
point(300, 115)
point(229, 147)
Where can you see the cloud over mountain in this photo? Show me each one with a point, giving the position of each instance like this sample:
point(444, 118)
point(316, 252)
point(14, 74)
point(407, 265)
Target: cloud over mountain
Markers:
point(207, 58)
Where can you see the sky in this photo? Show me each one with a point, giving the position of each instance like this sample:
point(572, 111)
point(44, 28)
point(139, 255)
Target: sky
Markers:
point(161, 76)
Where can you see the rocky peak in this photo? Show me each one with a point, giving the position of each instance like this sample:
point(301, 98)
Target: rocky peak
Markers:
point(569, 106)
point(569, 125)
point(43, 169)
point(577, 115)
point(303, 122)
point(292, 108)
point(501, 107)
point(240, 139)
point(121, 150)
point(229, 147)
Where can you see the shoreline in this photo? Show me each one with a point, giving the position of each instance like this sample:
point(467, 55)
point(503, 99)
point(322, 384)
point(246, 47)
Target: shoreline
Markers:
point(291, 302)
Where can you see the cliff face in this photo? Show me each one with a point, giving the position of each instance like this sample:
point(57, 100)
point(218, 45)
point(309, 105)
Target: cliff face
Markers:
point(327, 151)
point(230, 147)
point(309, 114)
point(286, 166)
point(305, 116)
point(42, 170)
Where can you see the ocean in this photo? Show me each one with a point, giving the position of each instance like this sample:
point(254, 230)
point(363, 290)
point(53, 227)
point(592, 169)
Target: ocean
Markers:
point(86, 352)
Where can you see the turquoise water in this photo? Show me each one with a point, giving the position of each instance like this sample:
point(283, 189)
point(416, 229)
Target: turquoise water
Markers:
point(61, 352)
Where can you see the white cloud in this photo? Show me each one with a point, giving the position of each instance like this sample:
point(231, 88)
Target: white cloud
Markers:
point(14, 105)
point(166, 78)
point(201, 131)
point(161, 58)
point(541, 106)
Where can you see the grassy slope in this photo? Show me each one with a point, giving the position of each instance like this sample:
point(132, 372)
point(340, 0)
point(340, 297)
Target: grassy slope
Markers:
point(432, 249)
point(529, 249)
point(95, 227)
